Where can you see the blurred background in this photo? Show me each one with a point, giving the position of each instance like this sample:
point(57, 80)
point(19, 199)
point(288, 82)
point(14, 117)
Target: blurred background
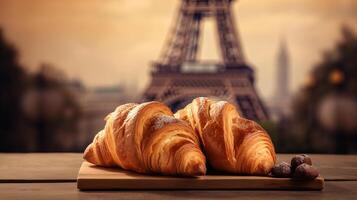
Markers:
point(64, 65)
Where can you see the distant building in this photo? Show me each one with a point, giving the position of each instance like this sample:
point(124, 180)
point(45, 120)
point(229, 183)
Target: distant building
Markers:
point(96, 104)
point(282, 87)
point(279, 104)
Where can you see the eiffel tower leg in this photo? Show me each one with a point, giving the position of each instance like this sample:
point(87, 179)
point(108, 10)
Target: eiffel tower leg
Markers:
point(193, 38)
point(183, 44)
point(230, 46)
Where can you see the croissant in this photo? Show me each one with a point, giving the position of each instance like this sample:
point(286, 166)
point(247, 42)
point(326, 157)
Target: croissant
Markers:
point(147, 138)
point(231, 143)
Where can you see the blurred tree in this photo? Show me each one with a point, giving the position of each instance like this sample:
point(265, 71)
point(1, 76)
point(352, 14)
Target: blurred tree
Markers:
point(12, 81)
point(38, 112)
point(325, 110)
point(58, 111)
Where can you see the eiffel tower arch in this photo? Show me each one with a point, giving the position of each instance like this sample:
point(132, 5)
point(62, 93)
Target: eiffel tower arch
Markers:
point(178, 76)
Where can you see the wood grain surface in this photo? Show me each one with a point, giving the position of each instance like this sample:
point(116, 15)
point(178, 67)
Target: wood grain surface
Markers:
point(39, 167)
point(333, 190)
point(44, 176)
point(53, 167)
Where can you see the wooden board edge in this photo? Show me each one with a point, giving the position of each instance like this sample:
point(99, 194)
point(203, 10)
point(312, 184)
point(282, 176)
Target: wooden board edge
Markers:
point(84, 183)
point(103, 184)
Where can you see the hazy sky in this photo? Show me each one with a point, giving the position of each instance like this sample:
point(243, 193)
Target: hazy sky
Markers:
point(105, 42)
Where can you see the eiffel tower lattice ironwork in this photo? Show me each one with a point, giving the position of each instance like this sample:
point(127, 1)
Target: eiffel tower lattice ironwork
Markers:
point(178, 76)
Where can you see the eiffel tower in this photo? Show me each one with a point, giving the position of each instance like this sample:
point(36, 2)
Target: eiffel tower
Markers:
point(178, 76)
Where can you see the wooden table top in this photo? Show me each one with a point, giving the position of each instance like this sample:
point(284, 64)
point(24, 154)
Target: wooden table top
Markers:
point(53, 176)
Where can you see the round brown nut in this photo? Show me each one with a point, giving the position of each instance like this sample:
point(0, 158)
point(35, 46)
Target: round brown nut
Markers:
point(307, 159)
point(298, 160)
point(305, 172)
point(281, 170)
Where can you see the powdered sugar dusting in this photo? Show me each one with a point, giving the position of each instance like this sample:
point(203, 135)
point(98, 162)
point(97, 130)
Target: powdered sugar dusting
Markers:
point(220, 105)
point(162, 120)
point(202, 104)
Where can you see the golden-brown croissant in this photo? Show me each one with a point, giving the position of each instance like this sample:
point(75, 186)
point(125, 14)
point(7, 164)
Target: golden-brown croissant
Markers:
point(147, 138)
point(231, 143)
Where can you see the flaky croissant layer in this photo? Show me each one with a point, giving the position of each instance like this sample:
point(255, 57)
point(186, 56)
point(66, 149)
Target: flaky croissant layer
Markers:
point(230, 142)
point(146, 138)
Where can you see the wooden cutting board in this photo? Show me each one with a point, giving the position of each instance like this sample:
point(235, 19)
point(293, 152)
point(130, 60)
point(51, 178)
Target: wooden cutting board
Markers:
point(91, 177)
